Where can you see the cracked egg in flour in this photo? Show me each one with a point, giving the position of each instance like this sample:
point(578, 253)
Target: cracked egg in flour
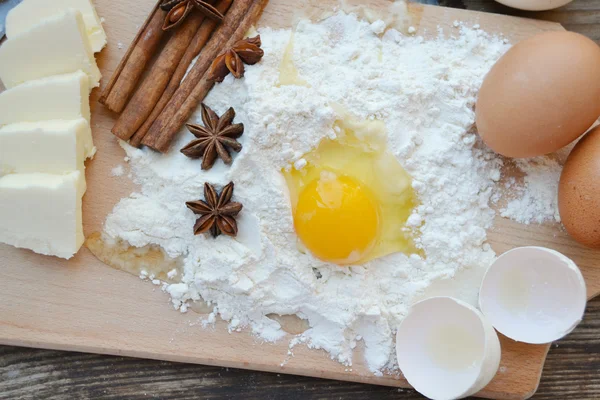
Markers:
point(350, 196)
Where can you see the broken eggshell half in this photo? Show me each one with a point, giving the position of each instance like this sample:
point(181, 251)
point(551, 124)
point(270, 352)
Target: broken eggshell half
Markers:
point(533, 295)
point(446, 349)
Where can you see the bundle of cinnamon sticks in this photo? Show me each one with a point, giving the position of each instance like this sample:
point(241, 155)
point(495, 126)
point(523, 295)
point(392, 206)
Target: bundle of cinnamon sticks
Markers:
point(155, 108)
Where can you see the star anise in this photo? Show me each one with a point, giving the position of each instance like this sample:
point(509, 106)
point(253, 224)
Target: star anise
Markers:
point(215, 138)
point(217, 212)
point(178, 10)
point(232, 60)
point(167, 5)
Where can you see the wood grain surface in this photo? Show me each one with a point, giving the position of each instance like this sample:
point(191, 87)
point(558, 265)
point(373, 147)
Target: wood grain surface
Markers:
point(581, 16)
point(571, 371)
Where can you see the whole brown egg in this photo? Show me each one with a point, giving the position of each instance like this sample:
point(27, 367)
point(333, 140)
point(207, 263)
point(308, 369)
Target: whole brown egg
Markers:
point(541, 95)
point(579, 191)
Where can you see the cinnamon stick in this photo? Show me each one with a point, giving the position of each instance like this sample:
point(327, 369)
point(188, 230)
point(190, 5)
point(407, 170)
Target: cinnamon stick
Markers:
point(130, 69)
point(196, 45)
point(195, 87)
point(154, 83)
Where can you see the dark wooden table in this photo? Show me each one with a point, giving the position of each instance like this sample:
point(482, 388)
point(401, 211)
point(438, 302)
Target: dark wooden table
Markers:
point(572, 370)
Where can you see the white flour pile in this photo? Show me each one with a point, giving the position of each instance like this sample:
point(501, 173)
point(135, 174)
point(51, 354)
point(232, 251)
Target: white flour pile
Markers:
point(424, 91)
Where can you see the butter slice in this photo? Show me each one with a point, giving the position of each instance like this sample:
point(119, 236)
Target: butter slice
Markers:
point(31, 12)
point(53, 147)
point(57, 45)
point(42, 212)
point(56, 97)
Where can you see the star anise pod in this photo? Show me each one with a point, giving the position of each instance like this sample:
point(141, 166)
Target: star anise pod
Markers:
point(178, 10)
point(215, 138)
point(232, 60)
point(167, 5)
point(217, 211)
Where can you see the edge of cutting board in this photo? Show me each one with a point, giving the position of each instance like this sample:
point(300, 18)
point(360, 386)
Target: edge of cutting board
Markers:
point(82, 305)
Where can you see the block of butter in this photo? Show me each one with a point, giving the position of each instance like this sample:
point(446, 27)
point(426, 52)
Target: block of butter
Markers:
point(31, 12)
point(55, 97)
point(42, 212)
point(53, 147)
point(57, 45)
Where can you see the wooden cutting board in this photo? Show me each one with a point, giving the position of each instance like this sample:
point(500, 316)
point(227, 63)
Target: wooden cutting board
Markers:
point(84, 305)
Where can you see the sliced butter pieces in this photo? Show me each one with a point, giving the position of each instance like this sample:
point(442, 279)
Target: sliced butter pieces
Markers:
point(55, 97)
point(55, 147)
point(56, 45)
point(42, 212)
point(31, 12)
point(48, 66)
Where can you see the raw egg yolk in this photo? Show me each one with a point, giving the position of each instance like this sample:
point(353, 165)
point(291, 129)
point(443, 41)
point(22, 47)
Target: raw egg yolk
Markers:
point(350, 196)
point(337, 218)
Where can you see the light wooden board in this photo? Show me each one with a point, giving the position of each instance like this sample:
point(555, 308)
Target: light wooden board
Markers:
point(84, 305)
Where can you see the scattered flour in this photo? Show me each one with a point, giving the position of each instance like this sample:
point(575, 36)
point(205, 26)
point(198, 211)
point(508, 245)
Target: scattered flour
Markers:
point(424, 91)
point(117, 171)
point(537, 198)
point(378, 27)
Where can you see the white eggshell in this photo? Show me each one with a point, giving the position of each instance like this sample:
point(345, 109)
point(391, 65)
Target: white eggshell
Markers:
point(533, 295)
point(446, 349)
point(534, 5)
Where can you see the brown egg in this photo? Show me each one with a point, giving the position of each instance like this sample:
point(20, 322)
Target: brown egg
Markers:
point(579, 191)
point(541, 95)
